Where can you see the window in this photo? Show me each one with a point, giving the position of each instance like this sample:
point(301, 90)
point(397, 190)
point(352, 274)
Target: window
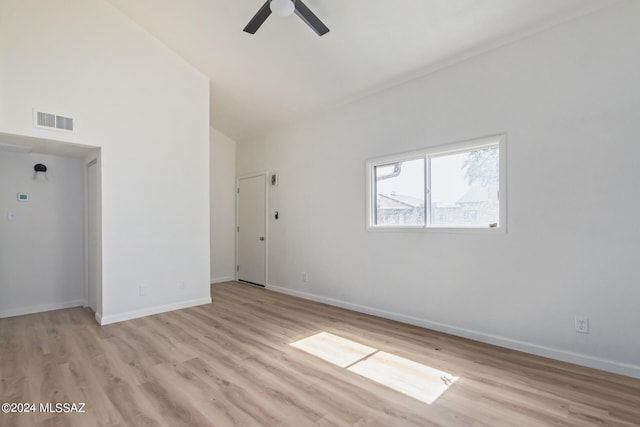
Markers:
point(454, 186)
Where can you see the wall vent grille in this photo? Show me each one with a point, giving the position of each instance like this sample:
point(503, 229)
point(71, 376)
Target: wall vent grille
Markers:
point(65, 123)
point(52, 121)
point(46, 120)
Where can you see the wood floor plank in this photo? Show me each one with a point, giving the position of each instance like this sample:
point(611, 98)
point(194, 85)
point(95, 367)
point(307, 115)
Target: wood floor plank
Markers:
point(231, 363)
point(209, 398)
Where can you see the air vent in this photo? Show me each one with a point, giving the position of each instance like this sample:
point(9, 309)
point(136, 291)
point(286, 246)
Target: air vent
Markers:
point(52, 121)
point(46, 120)
point(65, 123)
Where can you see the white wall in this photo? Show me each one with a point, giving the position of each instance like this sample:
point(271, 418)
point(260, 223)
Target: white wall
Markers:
point(569, 101)
point(223, 206)
point(42, 248)
point(148, 110)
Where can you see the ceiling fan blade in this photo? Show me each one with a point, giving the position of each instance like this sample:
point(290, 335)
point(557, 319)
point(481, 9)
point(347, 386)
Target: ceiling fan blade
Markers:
point(310, 18)
point(258, 19)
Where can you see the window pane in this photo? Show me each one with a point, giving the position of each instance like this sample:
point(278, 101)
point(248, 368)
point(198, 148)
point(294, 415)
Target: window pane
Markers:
point(400, 193)
point(464, 189)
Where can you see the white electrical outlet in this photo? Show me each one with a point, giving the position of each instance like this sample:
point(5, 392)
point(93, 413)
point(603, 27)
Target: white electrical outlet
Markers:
point(142, 290)
point(582, 324)
point(305, 277)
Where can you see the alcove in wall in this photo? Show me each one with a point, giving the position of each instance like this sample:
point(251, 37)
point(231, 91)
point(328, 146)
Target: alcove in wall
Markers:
point(49, 225)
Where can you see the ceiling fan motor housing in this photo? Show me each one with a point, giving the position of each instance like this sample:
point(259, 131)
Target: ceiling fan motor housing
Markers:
point(282, 7)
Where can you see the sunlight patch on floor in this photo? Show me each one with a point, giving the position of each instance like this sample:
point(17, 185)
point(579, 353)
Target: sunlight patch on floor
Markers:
point(413, 379)
point(334, 349)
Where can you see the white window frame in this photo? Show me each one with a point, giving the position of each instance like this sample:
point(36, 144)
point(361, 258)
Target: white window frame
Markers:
point(427, 153)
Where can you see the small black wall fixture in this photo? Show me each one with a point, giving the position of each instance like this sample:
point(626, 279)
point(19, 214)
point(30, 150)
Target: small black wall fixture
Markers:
point(40, 172)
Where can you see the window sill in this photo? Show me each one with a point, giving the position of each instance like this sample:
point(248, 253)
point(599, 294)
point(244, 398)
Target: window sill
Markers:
point(436, 229)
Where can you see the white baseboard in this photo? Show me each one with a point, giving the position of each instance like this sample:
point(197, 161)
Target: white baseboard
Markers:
point(527, 347)
point(40, 308)
point(223, 279)
point(134, 314)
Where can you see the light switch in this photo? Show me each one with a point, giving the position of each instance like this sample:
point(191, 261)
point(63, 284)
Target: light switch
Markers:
point(11, 215)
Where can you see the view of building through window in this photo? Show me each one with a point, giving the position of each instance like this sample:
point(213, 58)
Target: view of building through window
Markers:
point(463, 190)
point(400, 193)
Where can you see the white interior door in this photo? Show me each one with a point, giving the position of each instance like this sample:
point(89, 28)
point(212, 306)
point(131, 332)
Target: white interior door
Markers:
point(252, 244)
point(92, 241)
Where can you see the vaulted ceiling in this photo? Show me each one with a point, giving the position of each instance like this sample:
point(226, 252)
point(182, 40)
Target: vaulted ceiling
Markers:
point(285, 71)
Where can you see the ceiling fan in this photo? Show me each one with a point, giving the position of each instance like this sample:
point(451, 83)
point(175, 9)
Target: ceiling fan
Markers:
point(286, 8)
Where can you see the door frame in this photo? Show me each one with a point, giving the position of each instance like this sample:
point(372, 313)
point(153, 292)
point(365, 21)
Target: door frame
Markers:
point(266, 222)
point(87, 244)
point(94, 160)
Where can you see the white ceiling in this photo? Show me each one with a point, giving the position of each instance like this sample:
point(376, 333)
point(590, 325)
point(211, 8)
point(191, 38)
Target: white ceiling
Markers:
point(27, 144)
point(286, 71)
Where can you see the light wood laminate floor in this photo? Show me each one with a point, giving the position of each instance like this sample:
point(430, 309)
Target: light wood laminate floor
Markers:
point(231, 363)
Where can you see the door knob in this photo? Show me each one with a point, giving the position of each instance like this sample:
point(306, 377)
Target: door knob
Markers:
point(262, 238)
